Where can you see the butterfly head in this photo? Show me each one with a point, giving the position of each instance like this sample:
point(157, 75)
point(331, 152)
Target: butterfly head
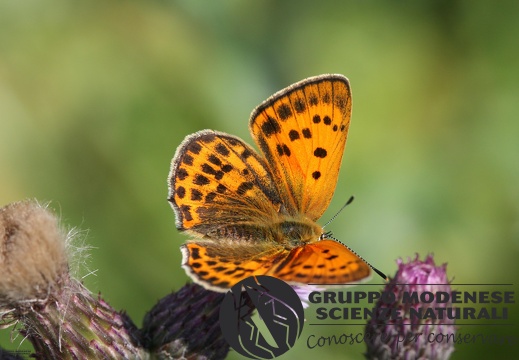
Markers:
point(326, 235)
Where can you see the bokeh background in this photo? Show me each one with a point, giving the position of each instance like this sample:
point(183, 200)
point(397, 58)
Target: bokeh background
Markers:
point(96, 96)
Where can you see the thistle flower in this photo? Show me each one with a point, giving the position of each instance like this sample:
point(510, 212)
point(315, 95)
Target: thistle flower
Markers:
point(185, 325)
point(58, 315)
point(408, 337)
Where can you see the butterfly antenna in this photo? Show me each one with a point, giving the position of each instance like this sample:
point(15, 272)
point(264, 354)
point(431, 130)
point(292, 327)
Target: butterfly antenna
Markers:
point(380, 273)
point(350, 200)
point(328, 235)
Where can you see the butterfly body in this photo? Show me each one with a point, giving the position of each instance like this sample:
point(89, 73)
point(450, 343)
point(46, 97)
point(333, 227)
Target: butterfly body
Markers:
point(287, 233)
point(253, 213)
point(293, 233)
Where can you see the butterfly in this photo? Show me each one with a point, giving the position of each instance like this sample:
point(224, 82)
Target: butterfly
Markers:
point(254, 213)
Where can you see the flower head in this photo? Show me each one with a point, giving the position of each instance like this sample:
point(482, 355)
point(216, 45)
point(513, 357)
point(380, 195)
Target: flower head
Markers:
point(185, 325)
point(63, 320)
point(407, 337)
point(57, 314)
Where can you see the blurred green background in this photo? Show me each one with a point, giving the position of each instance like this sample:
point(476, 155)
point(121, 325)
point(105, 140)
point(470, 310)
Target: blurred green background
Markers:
point(96, 96)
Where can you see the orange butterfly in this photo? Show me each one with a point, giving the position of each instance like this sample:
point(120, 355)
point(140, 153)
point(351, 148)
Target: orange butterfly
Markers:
point(254, 214)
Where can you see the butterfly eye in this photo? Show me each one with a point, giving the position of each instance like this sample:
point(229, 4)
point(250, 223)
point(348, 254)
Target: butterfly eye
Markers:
point(326, 235)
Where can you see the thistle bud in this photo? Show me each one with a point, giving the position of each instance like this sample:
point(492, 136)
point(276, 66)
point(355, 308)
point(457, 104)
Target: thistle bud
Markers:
point(57, 314)
point(185, 325)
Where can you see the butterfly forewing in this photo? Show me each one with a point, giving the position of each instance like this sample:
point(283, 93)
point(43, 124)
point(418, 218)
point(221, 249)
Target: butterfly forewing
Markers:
point(302, 132)
point(218, 184)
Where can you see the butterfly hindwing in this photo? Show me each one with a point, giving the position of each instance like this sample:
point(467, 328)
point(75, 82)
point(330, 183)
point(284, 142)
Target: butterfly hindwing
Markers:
point(220, 265)
point(321, 262)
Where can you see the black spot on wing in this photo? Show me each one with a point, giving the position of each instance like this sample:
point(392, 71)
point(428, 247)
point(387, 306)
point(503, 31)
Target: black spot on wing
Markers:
point(307, 134)
point(187, 159)
point(200, 180)
point(341, 103)
point(284, 111)
point(312, 100)
point(320, 152)
point(222, 150)
point(194, 147)
point(326, 98)
point(196, 195)
point(283, 150)
point(207, 137)
point(209, 198)
point(222, 284)
point(186, 212)
point(208, 169)
point(181, 192)
point(214, 160)
point(181, 173)
point(270, 127)
point(245, 154)
point(195, 253)
point(293, 135)
point(299, 105)
point(244, 187)
point(233, 141)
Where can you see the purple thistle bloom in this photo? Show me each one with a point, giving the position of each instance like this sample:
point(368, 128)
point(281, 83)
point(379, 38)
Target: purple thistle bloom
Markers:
point(412, 337)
